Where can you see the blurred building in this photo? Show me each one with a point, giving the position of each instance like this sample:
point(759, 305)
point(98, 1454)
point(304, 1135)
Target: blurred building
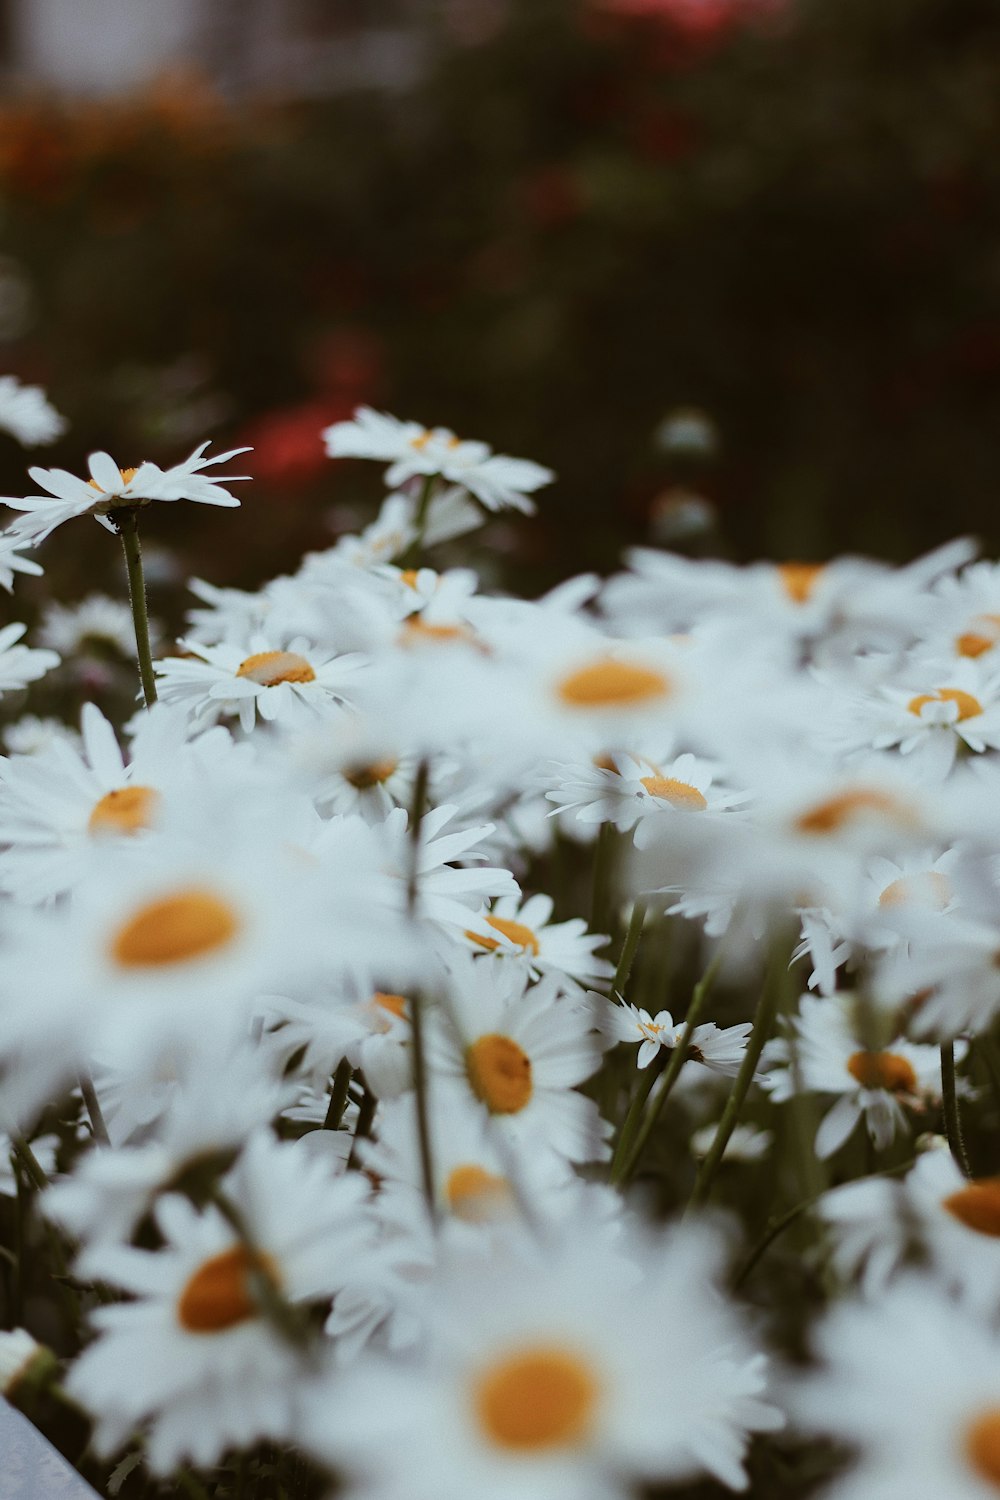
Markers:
point(290, 47)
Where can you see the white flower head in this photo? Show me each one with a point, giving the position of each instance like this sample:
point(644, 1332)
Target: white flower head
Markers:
point(27, 414)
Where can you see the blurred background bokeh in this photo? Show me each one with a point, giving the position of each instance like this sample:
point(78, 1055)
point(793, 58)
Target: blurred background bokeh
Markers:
point(730, 267)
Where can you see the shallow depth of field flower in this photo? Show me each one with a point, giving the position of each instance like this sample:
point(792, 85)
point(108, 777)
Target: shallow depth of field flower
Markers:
point(454, 1045)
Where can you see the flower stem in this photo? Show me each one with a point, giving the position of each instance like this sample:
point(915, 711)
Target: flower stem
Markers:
point(127, 522)
point(411, 556)
point(33, 1168)
point(603, 877)
point(90, 1099)
point(678, 1058)
point(338, 1095)
point(763, 1024)
point(629, 948)
point(952, 1119)
point(630, 1124)
point(417, 999)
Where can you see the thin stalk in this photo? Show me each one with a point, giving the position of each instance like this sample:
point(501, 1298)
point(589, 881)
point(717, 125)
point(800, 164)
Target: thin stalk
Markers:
point(677, 1060)
point(630, 1124)
point(763, 1025)
point(93, 1104)
point(413, 553)
point(29, 1161)
point(338, 1096)
point(126, 520)
point(629, 949)
point(366, 1114)
point(191, 1485)
point(286, 1319)
point(952, 1118)
point(417, 999)
point(603, 860)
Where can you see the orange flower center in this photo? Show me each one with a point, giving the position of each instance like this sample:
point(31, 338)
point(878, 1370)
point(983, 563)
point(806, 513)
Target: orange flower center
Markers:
point(930, 888)
point(268, 668)
point(977, 1205)
point(612, 684)
point(409, 577)
point(477, 1196)
point(536, 1398)
point(499, 1073)
point(189, 924)
point(365, 777)
point(799, 579)
point(982, 1445)
point(394, 1004)
point(417, 630)
point(977, 642)
point(882, 1070)
point(219, 1295)
point(968, 706)
point(515, 931)
point(678, 793)
point(128, 809)
point(127, 476)
point(854, 806)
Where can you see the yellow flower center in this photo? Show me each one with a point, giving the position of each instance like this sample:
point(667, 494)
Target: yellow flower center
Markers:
point(394, 1004)
point(982, 1445)
point(499, 1073)
point(477, 1196)
point(968, 706)
point(537, 1398)
point(219, 1296)
point(128, 809)
point(515, 931)
point(677, 793)
point(612, 684)
point(365, 777)
point(186, 925)
point(977, 1205)
point(799, 579)
point(417, 630)
point(409, 577)
point(977, 642)
point(268, 668)
point(930, 888)
point(127, 476)
point(853, 806)
point(882, 1070)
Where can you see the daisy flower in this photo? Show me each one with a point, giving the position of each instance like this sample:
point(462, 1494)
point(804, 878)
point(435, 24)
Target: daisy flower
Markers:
point(97, 622)
point(718, 1049)
point(520, 1052)
point(12, 562)
point(497, 481)
point(20, 665)
point(873, 1086)
point(110, 488)
point(628, 790)
point(27, 414)
point(547, 1374)
point(912, 1382)
point(521, 930)
point(192, 1356)
point(291, 684)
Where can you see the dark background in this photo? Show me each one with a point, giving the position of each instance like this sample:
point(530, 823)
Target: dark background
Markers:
point(573, 221)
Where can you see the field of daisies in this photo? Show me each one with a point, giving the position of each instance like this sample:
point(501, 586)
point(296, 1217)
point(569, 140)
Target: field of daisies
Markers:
point(455, 1047)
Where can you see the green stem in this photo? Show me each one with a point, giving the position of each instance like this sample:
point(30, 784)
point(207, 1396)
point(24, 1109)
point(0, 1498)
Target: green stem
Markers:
point(629, 948)
point(366, 1114)
point(191, 1485)
point(284, 1318)
point(631, 1122)
point(29, 1161)
point(952, 1118)
point(338, 1096)
point(126, 520)
point(412, 555)
point(763, 1024)
point(417, 999)
point(93, 1104)
point(603, 861)
point(677, 1060)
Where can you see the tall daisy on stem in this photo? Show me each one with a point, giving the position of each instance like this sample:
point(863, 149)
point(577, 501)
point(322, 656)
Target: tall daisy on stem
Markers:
point(114, 497)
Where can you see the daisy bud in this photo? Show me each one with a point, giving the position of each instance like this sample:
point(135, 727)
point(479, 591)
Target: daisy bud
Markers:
point(23, 1363)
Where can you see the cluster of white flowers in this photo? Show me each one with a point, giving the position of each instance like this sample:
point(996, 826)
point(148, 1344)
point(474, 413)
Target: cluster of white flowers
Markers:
point(272, 952)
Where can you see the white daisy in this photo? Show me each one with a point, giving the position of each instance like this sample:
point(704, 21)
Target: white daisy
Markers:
point(27, 413)
point(192, 1356)
point(520, 929)
point(718, 1049)
point(20, 665)
point(292, 682)
point(96, 622)
point(111, 488)
point(547, 1374)
point(496, 480)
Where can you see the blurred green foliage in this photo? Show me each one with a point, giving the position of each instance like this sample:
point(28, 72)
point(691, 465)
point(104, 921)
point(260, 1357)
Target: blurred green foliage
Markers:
point(565, 231)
